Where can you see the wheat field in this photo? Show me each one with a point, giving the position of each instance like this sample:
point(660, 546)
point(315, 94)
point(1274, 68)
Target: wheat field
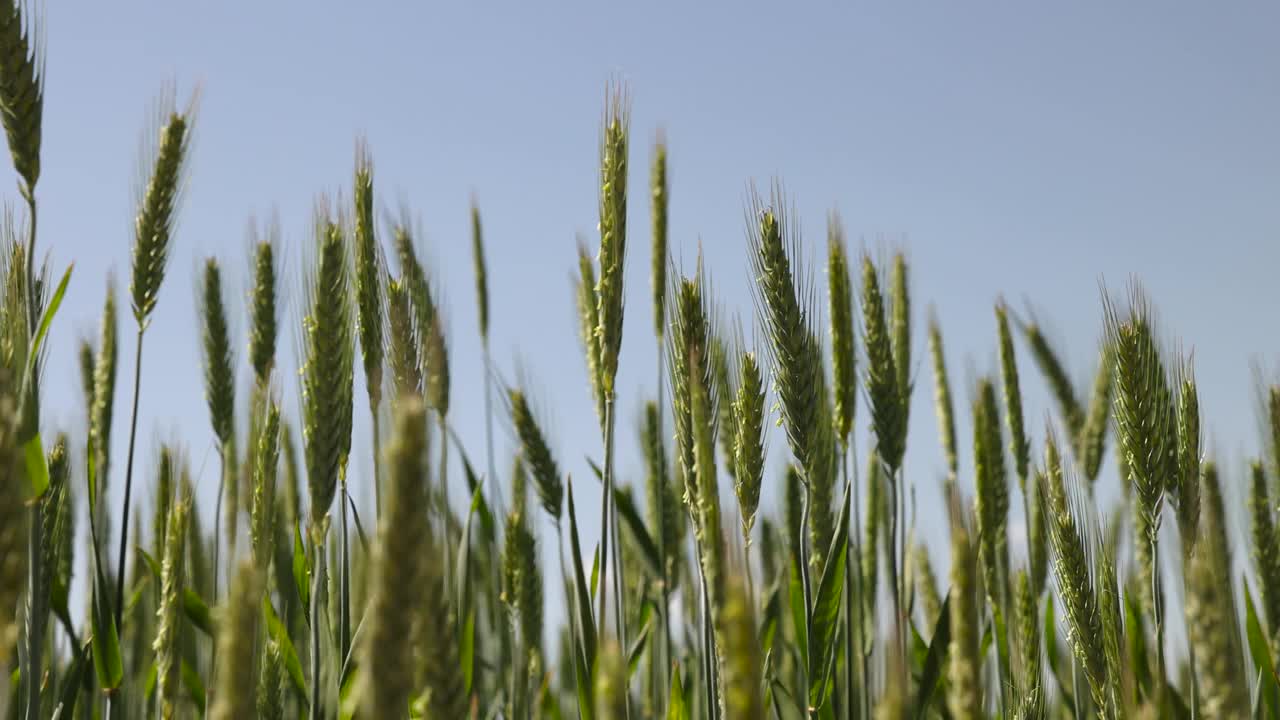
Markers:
point(697, 603)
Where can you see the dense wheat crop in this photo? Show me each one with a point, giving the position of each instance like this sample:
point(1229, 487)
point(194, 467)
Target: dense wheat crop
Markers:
point(697, 602)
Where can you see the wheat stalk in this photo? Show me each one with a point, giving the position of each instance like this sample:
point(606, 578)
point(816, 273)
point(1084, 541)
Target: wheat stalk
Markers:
point(153, 231)
point(749, 443)
point(219, 384)
point(1074, 571)
point(844, 359)
point(263, 318)
point(1266, 547)
point(266, 461)
point(327, 366)
point(169, 614)
point(942, 398)
point(1093, 432)
point(1188, 480)
point(964, 698)
point(398, 559)
point(1211, 622)
point(402, 344)
point(1019, 448)
point(237, 672)
point(104, 391)
point(537, 453)
point(993, 492)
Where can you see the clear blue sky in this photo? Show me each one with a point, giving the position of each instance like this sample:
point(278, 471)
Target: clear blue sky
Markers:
point(1026, 151)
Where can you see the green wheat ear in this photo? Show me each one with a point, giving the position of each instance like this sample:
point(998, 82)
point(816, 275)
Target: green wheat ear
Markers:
point(1074, 571)
point(691, 333)
point(22, 89)
point(104, 389)
point(993, 490)
point(926, 583)
point(786, 301)
point(610, 683)
point(402, 344)
point(263, 321)
point(1027, 614)
point(1273, 425)
point(659, 194)
point(1266, 547)
point(749, 443)
point(58, 515)
point(1032, 705)
point(843, 354)
point(964, 698)
point(900, 311)
point(1055, 374)
point(742, 669)
point(237, 674)
point(1107, 582)
point(1146, 421)
point(724, 360)
point(1037, 534)
point(661, 493)
point(522, 587)
point(157, 207)
point(482, 273)
point(942, 398)
point(368, 277)
point(793, 505)
point(271, 683)
point(166, 466)
point(169, 617)
point(1019, 448)
point(85, 355)
point(327, 370)
point(876, 532)
point(1188, 483)
point(435, 364)
point(613, 234)
point(588, 319)
point(219, 375)
point(440, 668)
point(266, 461)
point(537, 453)
point(387, 651)
point(882, 375)
point(1093, 434)
point(1211, 619)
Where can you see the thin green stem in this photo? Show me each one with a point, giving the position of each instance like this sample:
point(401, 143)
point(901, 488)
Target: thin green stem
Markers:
point(709, 651)
point(128, 481)
point(377, 463)
point(488, 429)
point(34, 636)
point(619, 615)
point(446, 507)
point(853, 605)
point(317, 570)
point(225, 464)
point(1157, 602)
point(33, 312)
point(894, 569)
point(661, 514)
point(1075, 690)
point(808, 599)
point(344, 575)
point(570, 606)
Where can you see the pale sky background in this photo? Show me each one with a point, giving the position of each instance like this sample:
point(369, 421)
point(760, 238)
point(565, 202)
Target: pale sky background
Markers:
point(1029, 152)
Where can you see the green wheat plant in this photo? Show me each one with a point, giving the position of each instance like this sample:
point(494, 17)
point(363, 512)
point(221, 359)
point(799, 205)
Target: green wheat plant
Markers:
point(852, 580)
